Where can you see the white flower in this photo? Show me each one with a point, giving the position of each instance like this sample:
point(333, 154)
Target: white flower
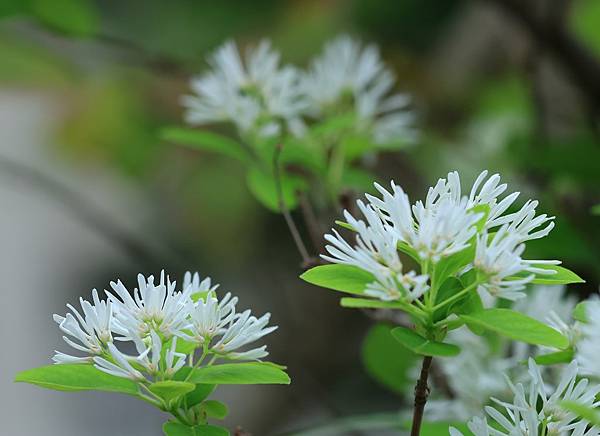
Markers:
point(376, 251)
point(92, 331)
point(499, 258)
point(208, 318)
point(243, 330)
point(198, 286)
point(121, 366)
point(254, 95)
point(588, 348)
point(536, 409)
point(347, 74)
point(437, 228)
point(153, 306)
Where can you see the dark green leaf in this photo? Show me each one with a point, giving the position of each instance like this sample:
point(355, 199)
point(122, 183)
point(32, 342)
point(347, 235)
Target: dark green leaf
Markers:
point(240, 374)
point(73, 17)
point(386, 360)
point(76, 377)
point(420, 345)
point(205, 140)
point(517, 326)
point(344, 278)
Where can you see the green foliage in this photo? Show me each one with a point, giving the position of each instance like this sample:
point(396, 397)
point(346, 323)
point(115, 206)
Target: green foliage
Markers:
point(344, 278)
point(588, 413)
point(366, 303)
point(170, 390)
point(561, 276)
point(177, 429)
point(580, 312)
point(76, 377)
point(563, 356)
point(516, 326)
point(72, 17)
point(206, 140)
point(264, 187)
point(240, 374)
point(420, 345)
point(214, 409)
point(386, 360)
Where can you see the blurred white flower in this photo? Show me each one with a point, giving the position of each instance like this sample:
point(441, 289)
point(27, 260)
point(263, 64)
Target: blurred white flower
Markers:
point(153, 306)
point(254, 95)
point(242, 330)
point(349, 76)
point(588, 347)
point(92, 331)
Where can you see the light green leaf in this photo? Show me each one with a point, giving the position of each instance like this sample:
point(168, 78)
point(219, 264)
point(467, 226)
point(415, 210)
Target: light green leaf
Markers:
point(449, 266)
point(595, 210)
point(246, 373)
point(580, 312)
point(170, 389)
point(562, 276)
point(386, 360)
point(420, 345)
point(76, 377)
point(345, 225)
point(367, 303)
point(408, 250)
point(214, 409)
point(205, 140)
point(262, 185)
point(173, 428)
point(563, 356)
point(517, 326)
point(344, 278)
point(588, 413)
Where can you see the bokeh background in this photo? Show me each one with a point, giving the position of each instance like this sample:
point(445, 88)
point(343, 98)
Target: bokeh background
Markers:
point(89, 192)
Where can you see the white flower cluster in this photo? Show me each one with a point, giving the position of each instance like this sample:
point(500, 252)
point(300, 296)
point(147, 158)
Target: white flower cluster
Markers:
point(537, 410)
point(154, 317)
point(446, 223)
point(260, 96)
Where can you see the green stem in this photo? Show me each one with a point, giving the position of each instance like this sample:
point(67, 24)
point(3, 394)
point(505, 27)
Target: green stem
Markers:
point(456, 296)
point(200, 360)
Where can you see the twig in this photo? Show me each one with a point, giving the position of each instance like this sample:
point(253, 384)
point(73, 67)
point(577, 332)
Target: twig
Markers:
point(82, 209)
point(421, 394)
point(284, 209)
point(312, 223)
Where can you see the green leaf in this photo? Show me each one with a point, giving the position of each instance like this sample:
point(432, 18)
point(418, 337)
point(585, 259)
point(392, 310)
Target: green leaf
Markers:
point(345, 225)
point(205, 140)
point(517, 326)
point(408, 250)
point(172, 428)
point(563, 356)
point(588, 413)
point(263, 187)
point(214, 409)
point(344, 278)
point(72, 17)
point(580, 312)
point(366, 303)
point(420, 345)
point(76, 377)
point(595, 210)
point(449, 266)
point(170, 389)
point(247, 373)
point(386, 360)
point(562, 276)
point(450, 287)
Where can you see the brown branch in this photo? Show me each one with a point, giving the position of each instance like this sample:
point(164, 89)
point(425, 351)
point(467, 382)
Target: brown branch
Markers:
point(421, 394)
point(312, 223)
point(284, 209)
point(577, 61)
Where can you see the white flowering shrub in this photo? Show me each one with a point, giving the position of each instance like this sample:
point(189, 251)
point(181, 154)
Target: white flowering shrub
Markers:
point(167, 347)
point(453, 260)
point(316, 124)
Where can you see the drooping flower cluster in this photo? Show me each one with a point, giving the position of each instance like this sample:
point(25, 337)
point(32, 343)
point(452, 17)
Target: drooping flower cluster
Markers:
point(537, 409)
point(160, 322)
point(476, 227)
point(260, 96)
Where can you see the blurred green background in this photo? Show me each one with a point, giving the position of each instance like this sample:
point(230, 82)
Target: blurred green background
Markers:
point(89, 192)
